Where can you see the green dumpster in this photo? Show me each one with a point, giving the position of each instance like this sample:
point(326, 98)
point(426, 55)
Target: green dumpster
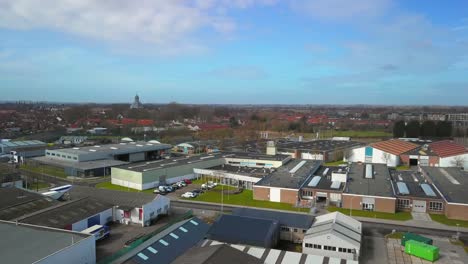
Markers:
point(422, 250)
point(411, 236)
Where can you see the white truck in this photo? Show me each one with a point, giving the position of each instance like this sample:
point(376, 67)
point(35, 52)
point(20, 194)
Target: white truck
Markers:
point(99, 231)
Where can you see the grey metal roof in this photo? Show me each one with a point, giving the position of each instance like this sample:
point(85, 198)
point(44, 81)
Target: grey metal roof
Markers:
point(379, 185)
point(243, 230)
point(413, 181)
point(119, 198)
point(302, 221)
point(26, 143)
point(114, 149)
point(241, 170)
point(451, 182)
point(216, 254)
point(15, 203)
point(171, 243)
point(64, 214)
point(325, 182)
point(317, 145)
point(283, 178)
point(82, 165)
point(26, 244)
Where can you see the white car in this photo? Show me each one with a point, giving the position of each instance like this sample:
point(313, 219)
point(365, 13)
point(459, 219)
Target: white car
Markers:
point(189, 195)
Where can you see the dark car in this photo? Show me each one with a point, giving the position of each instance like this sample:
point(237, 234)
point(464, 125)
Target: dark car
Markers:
point(197, 191)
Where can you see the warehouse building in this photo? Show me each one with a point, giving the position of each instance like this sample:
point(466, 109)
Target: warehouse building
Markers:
point(384, 152)
point(147, 175)
point(98, 160)
point(25, 244)
point(325, 187)
point(129, 207)
point(334, 235)
point(25, 149)
point(255, 231)
point(76, 215)
point(216, 254)
point(451, 184)
point(237, 176)
point(326, 150)
point(293, 226)
point(19, 202)
point(167, 245)
point(369, 188)
point(414, 193)
point(273, 256)
point(284, 183)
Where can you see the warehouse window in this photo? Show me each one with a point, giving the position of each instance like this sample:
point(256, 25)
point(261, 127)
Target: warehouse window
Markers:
point(304, 231)
point(285, 229)
point(403, 203)
point(306, 193)
point(329, 248)
point(68, 157)
point(435, 206)
point(75, 158)
point(317, 246)
point(295, 230)
point(350, 250)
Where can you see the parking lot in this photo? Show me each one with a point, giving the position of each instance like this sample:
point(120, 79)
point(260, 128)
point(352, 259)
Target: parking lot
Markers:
point(177, 193)
point(449, 253)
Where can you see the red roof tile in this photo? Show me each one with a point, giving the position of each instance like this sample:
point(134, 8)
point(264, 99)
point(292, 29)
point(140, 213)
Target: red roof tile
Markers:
point(395, 146)
point(447, 148)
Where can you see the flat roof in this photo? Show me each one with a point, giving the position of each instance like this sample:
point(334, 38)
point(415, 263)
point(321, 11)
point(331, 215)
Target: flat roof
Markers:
point(241, 170)
point(303, 221)
point(171, 162)
point(67, 213)
point(216, 254)
point(25, 143)
point(379, 185)
point(114, 148)
point(318, 145)
point(451, 182)
point(80, 165)
point(325, 182)
point(113, 197)
point(287, 176)
point(19, 202)
point(413, 181)
point(255, 156)
point(28, 244)
point(253, 230)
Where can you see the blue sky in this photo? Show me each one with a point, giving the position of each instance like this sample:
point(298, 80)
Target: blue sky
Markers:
point(235, 51)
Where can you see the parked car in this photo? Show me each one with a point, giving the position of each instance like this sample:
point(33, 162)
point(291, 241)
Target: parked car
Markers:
point(189, 195)
point(175, 186)
point(187, 181)
point(182, 183)
point(157, 191)
point(197, 191)
point(169, 189)
point(204, 186)
point(162, 188)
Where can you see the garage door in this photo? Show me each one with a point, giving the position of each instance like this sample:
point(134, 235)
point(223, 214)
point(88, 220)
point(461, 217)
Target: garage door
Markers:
point(95, 220)
point(275, 195)
point(419, 206)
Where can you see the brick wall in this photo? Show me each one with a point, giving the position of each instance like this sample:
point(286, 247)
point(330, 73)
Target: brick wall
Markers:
point(289, 196)
point(385, 205)
point(459, 212)
point(260, 193)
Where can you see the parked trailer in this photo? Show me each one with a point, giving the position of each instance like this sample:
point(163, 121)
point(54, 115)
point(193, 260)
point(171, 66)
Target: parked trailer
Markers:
point(412, 236)
point(422, 250)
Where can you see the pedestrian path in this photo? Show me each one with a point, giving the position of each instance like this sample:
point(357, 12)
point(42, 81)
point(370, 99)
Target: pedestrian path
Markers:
point(414, 223)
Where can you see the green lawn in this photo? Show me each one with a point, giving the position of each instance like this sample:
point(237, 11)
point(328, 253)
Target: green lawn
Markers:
point(37, 185)
point(110, 186)
point(399, 216)
point(444, 220)
point(403, 167)
point(396, 235)
point(45, 169)
point(335, 163)
point(245, 198)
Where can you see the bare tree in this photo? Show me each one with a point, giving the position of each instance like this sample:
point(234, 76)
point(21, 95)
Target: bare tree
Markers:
point(458, 161)
point(386, 157)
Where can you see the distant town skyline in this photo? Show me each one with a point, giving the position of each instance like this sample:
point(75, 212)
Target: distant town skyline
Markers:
point(313, 52)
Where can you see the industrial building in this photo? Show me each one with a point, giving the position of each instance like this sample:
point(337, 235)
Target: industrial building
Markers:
point(272, 256)
point(325, 187)
point(284, 183)
point(451, 184)
point(326, 150)
point(166, 246)
point(135, 208)
point(237, 176)
point(369, 188)
point(216, 254)
point(292, 226)
point(334, 235)
point(197, 147)
point(25, 149)
point(414, 193)
point(25, 244)
point(97, 160)
point(147, 175)
point(243, 230)
point(17, 202)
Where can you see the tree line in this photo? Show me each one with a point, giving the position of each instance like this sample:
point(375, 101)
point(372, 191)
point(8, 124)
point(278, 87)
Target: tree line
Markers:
point(426, 129)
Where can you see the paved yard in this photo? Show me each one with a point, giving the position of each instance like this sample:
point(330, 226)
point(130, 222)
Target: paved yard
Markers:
point(449, 253)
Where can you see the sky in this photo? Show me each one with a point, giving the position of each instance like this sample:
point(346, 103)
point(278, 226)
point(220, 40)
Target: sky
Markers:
point(235, 51)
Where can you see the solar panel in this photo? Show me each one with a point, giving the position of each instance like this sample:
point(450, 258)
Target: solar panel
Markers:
point(335, 185)
point(402, 188)
point(428, 190)
point(315, 181)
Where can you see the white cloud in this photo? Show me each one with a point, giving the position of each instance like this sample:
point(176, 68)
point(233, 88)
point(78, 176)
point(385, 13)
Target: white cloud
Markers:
point(166, 24)
point(341, 10)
